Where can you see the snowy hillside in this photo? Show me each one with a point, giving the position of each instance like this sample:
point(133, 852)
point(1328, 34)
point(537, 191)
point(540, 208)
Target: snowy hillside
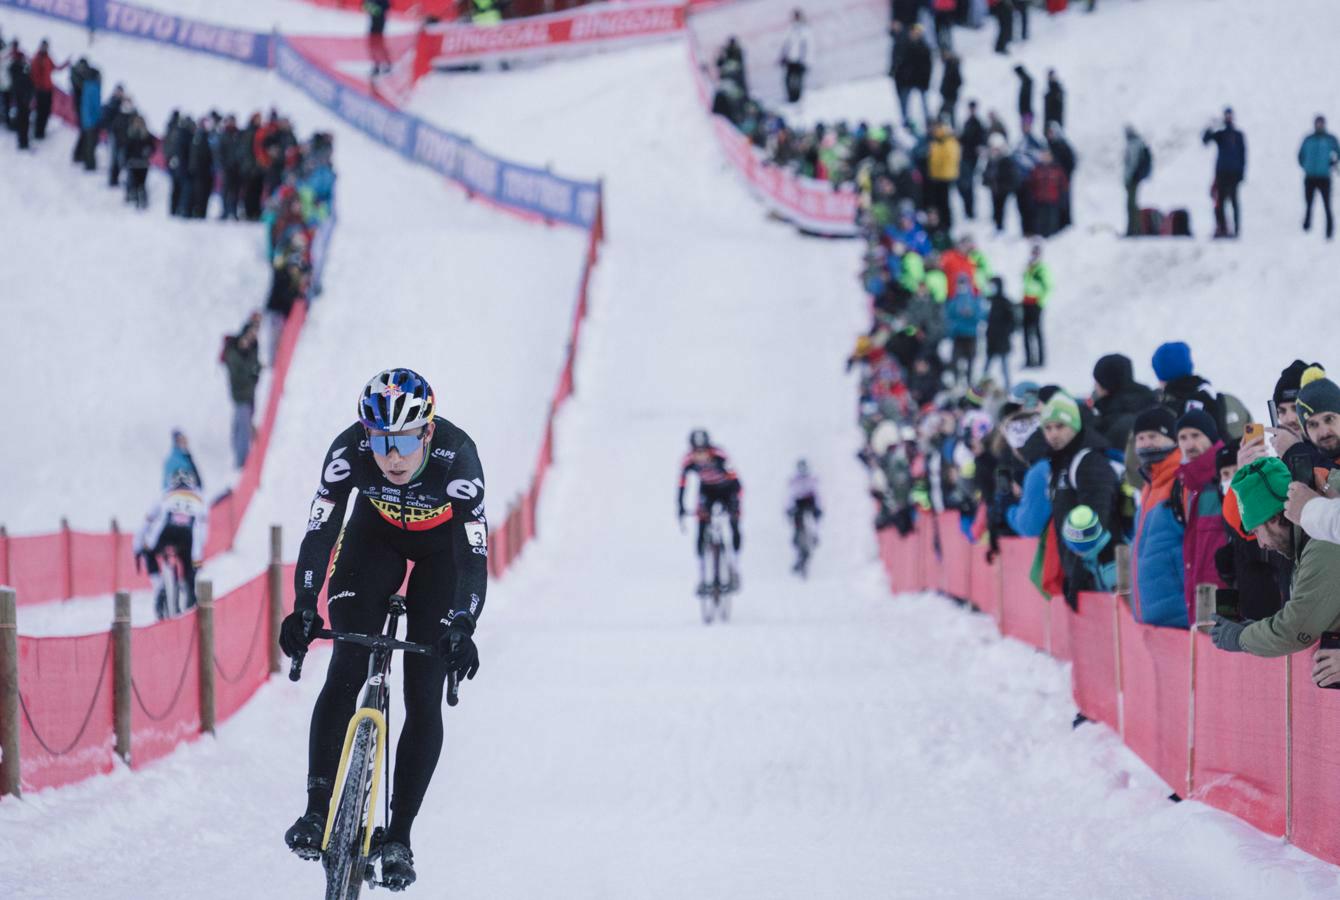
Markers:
point(832, 740)
point(417, 276)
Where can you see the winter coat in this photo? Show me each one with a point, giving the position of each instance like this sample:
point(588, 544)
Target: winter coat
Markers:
point(90, 102)
point(1156, 557)
point(200, 158)
point(1029, 517)
point(1115, 413)
point(956, 265)
point(42, 66)
point(1197, 491)
point(951, 81)
point(914, 238)
point(1314, 602)
point(945, 155)
point(20, 82)
point(139, 149)
point(1053, 104)
point(1047, 184)
point(1321, 520)
point(1000, 325)
point(1037, 284)
point(1260, 576)
point(1190, 392)
point(1318, 154)
point(798, 45)
point(1001, 176)
point(1063, 154)
point(1025, 91)
point(1232, 145)
point(1137, 162)
point(244, 370)
point(914, 68)
point(971, 140)
point(964, 313)
point(1093, 484)
point(178, 460)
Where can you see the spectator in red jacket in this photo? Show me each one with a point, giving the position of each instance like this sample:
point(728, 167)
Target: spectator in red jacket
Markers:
point(42, 66)
point(1197, 502)
point(1047, 185)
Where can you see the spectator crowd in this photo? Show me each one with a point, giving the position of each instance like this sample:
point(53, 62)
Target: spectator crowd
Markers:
point(1176, 471)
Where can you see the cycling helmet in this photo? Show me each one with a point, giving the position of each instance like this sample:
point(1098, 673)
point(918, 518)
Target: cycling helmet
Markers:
point(698, 439)
point(396, 400)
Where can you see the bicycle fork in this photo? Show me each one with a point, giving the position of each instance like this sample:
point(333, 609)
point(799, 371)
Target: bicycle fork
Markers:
point(379, 725)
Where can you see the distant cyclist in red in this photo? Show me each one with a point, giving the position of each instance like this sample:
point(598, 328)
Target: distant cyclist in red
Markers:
point(718, 485)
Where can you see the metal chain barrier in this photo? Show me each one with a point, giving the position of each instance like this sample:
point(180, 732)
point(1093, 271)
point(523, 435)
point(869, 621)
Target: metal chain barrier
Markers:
point(176, 695)
point(88, 715)
point(251, 650)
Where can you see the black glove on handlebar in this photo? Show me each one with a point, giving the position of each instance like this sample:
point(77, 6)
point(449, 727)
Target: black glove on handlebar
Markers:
point(458, 649)
point(295, 634)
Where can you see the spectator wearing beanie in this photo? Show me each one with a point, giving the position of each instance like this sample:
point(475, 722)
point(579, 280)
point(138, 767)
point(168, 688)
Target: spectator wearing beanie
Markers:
point(1180, 388)
point(1197, 502)
point(1086, 537)
point(1284, 398)
point(1260, 488)
point(1081, 475)
point(1318, 409)
point(1156, 555)
point(1117, 398)
point(1260, 578)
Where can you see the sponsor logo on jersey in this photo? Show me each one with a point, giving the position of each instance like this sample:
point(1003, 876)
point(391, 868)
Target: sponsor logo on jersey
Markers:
point(410, 517)
point(448, 455)
point(461, 489)
point(341, 595)
point(474, 604)
point(337, 469)
point(478, 511)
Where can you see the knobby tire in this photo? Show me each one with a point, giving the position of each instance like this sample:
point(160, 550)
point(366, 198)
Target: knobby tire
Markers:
point(344, 857)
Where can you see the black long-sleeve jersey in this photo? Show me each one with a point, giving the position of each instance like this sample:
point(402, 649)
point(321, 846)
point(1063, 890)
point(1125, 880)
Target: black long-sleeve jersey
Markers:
point(442, 507)
point(716, 474)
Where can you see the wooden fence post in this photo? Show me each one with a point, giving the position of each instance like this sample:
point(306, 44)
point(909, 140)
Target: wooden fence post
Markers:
point(68, 542)
point(9, 693)
point(276, 594)
point(5, 577)
point(116, 556)
point(1124, 572)
point(121, 674)
point(204, 620)
point(1123, 595)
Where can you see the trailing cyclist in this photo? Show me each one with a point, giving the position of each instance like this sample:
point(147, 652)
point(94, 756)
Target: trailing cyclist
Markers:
point(421, 500)
point(804, 489)
point(718, 485)
point(178, 521)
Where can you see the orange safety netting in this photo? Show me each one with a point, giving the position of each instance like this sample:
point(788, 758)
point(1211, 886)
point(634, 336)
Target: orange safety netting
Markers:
point(1155, 695)
point(1093, 648)
point(1315, 763)
point(1023, 610)
point(242, 643)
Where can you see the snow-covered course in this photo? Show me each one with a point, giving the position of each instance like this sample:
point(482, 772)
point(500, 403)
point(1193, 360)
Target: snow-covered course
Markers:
point(832, 741)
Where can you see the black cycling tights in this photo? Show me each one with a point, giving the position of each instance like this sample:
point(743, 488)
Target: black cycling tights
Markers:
point(371, 571)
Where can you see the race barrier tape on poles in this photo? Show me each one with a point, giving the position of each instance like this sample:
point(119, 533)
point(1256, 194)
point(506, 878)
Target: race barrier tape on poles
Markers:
point(1251, 736)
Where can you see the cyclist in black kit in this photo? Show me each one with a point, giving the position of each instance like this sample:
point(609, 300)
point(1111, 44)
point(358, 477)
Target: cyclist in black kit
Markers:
point(420, 499)
point(718, 485)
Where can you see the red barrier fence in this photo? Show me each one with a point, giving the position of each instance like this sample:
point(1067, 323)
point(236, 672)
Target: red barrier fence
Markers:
point(1251, 736)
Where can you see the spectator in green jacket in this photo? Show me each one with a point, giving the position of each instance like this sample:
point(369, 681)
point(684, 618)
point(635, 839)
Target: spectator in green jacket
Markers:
point(1262, 488)
point(1037, 288)
point(1318, 156)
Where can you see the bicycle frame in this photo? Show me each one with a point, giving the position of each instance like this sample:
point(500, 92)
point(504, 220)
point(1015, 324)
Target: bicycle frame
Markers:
point(372, 708)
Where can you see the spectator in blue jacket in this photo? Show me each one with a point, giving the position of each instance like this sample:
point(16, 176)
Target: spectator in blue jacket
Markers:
point(90, 115)
point(964, 314)
point(1318, 155)
point(910, 234)
point(1031, 515)
point(1156, 554)
point(1230, 169)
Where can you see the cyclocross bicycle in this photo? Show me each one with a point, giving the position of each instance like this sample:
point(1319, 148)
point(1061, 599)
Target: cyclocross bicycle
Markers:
point(715, 596)
point(352, 844)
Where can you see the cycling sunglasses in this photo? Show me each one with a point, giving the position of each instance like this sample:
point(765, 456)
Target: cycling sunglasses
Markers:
point(404, 444)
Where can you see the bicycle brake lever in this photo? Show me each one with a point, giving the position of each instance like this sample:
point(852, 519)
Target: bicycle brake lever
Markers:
point(453, 688)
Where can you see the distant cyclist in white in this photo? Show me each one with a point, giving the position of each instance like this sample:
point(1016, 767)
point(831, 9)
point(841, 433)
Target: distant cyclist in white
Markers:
point(797, 51)
point(179, 520)
point(804, 491)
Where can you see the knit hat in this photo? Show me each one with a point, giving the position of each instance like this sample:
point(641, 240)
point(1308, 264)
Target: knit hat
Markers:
point(1084, 532)
point(1318, 393)
point(1286, 389)
point(1200, 420)
point(1227, 455)
point(1062, 408)
point(1261, 487)
point(1172, 360)
point(1026, 392)
point(1156, 418)
point(1113, 372)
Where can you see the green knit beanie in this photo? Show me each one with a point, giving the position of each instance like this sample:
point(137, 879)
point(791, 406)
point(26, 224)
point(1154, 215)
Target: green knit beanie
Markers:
point(1061, 407)
point(1261, 487)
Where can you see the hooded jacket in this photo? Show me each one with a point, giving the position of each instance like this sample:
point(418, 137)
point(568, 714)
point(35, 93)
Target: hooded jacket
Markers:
point(1157, 552)
point(1126, 399)
point(1093, 484)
